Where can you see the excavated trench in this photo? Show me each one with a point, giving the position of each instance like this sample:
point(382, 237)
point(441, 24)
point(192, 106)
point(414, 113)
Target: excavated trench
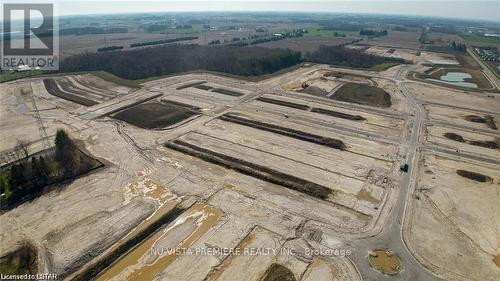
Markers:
point(474, 176)
point(251, 169)
point(330, 142)
point(313, 109)
point(284, 103)
point(189, 85)
point(103, 263)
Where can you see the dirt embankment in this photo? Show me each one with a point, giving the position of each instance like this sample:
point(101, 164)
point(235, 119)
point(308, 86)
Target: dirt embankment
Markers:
point(53, 89)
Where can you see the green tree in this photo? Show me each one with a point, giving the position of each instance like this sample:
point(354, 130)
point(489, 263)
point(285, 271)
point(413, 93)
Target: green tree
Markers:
point(5, 185)
point(43, 167)
point(17, 178)
point(66, 154)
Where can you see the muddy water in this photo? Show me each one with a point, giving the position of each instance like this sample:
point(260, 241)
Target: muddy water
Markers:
point(143, 264)
point(152, 191)
point(496, 260)
point(457, 78)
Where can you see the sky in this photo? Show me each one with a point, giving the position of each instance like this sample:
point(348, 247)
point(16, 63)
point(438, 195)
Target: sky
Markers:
point(479, 10)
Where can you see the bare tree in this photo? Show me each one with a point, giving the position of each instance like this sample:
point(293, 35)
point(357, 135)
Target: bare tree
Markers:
point(22, 149)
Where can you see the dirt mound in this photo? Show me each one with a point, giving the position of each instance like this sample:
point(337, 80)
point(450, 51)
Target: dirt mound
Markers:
point(363, 94)
point(455, 137)
point(315, 91)
point(475, 119)
point(487, 119)
point(338, 114)
point(284, 103)
point(486, 144)
point(474, 176)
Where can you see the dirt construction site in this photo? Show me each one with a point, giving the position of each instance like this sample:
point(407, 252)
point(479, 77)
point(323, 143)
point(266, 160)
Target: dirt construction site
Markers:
point(295, 177)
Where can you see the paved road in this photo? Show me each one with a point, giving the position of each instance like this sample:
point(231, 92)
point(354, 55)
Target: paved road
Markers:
point(487, 71)
point(391, 235)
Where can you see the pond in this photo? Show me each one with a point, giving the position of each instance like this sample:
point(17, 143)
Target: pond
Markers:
point(457, 79)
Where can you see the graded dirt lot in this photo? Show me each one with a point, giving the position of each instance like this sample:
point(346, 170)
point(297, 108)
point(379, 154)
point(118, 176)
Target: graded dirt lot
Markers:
point(448, 97)
point(465, 141)
point(262, 166)
point(438, 58)
point(406, 54)
point(451, 220)
point(345, 178)
point(454, 226)
point(461, 117)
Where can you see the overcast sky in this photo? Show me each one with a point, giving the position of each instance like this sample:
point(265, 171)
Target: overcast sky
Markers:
point(483, 10)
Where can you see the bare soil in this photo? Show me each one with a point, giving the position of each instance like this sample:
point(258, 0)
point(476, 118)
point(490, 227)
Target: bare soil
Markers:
point(52, 88)
point(387, 264)
point(363, 94)
point(154, 115)
point(278, 272)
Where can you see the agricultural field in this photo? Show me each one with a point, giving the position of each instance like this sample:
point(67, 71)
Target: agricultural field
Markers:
point(307, 43)
point(456, 213)
point(396, 39)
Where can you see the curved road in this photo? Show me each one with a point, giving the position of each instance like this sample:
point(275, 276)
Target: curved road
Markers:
point(391, 235)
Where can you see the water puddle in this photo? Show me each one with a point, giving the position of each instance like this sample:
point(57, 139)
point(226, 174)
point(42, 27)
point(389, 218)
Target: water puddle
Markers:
point(12, 100)
point(21, 109)
point(153, 255)
point(457, 79)
point(148, 189)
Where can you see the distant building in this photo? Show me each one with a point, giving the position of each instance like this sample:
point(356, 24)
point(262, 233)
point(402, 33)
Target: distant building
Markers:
point(23, 68)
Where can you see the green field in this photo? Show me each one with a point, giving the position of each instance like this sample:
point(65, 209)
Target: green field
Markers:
point(383, 66)
point(471, 39)
point(10, 75)
point(117, 80)
point(313, 31)
point(21, 261)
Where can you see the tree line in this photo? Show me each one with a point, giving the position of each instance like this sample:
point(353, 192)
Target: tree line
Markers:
point(458, 46)
point(233, 59)
point(169, 59)
point(30, 174)
point(158, 42)
point(339, 55)
point(375, 33)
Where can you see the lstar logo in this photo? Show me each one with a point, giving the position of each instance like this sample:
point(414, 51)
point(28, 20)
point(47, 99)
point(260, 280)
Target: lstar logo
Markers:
point(29, 37)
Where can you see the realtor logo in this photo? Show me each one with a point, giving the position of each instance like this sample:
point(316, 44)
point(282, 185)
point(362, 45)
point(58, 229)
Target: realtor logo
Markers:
point(29, 37)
